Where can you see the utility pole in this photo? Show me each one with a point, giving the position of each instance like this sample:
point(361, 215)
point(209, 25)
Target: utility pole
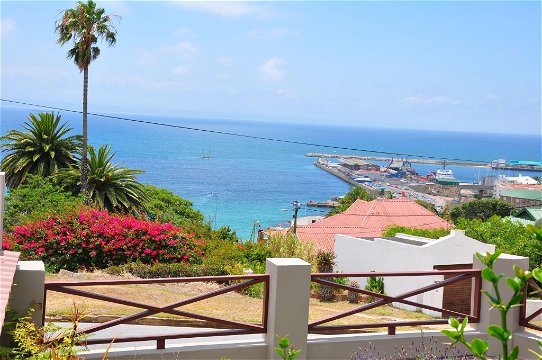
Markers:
point(296, 208)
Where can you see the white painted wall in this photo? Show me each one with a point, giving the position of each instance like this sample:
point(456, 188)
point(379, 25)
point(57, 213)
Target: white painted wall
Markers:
point(532, 306)
point(364, 255)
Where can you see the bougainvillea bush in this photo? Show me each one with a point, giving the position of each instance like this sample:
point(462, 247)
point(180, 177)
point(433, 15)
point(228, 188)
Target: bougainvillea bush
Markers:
point(89, 239)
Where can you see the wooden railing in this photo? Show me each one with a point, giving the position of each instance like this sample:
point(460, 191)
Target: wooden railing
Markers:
point(383, 299)
point(524, 320)
point(236, 328)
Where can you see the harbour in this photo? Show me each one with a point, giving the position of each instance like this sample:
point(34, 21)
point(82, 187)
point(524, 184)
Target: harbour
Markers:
point(411, 160)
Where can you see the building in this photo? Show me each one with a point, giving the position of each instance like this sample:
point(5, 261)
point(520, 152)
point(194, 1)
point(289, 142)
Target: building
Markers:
point(413, 253)
point(520, 179)
point(528, 215)
point(358, 164)
point(519, 198)
point(369, 219)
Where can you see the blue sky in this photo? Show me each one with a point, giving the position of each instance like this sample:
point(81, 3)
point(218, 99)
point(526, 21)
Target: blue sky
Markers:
point(462, 66)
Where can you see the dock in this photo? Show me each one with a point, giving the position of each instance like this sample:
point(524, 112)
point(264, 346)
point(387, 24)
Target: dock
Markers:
point(343, 176)
point(411, 160)
point(325, 204)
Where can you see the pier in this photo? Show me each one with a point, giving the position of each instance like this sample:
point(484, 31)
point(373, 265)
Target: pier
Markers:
point(411, 160)
point(343, 176)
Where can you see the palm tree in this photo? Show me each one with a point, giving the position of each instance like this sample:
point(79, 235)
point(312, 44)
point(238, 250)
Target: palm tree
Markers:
point(111, 186)
point(84, 25)
point(42, 149)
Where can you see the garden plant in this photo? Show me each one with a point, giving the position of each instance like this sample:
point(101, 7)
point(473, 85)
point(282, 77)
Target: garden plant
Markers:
point(480, 347)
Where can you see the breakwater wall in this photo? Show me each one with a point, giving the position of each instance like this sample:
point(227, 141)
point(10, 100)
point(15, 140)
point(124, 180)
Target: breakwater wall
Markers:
point(343, 176)
point(411, 160)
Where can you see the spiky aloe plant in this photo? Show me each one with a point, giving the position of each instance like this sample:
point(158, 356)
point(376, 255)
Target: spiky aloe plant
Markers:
point(325, 261)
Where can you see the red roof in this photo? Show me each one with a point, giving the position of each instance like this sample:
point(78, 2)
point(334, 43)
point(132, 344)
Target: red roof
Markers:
point(8, 265)
point(369, 219)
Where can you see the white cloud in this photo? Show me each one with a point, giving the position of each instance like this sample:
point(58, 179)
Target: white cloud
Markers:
point(7, 26)
point(144, 57)
point(117, 7)
point(491, 98)
point(286, 93)
point(272, 69)
point(224, 8)
point(430, 100)
point(225, 61)
point(187, 48)
point(274, 33)
point(184, 31)
point(181, 70)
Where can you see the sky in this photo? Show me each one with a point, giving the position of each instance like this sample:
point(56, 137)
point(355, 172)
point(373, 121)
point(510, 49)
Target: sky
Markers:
point(458, 65)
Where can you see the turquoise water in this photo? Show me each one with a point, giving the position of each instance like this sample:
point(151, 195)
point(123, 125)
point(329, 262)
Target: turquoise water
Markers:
point(249, 180)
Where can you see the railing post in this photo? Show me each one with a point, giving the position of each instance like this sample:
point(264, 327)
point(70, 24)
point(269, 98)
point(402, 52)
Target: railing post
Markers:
point(28, 289)
point(488, 316)
point(289, 294)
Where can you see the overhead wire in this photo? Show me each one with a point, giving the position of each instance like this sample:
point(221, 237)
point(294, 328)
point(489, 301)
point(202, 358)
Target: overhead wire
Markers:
point(122, 118)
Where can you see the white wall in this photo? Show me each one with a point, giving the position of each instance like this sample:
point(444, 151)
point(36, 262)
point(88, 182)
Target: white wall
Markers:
point(364, 255)
point(532, 306)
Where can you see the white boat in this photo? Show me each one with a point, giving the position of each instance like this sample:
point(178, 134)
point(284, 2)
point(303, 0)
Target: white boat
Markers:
point(446, 177)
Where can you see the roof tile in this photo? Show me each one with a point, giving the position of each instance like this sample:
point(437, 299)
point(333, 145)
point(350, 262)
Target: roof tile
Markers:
point(369, 219)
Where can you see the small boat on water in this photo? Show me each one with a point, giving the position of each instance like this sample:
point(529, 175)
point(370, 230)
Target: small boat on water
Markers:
point(208, 155)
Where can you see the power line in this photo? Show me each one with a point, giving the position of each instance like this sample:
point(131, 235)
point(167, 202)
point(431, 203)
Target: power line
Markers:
point(241, 135)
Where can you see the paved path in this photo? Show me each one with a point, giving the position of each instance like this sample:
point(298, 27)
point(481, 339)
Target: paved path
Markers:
point(142, 330)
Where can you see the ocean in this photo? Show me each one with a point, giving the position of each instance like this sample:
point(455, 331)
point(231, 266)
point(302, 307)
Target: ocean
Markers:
point(249, 180)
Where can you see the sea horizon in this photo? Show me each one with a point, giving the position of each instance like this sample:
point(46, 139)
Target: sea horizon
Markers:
point(249, 180)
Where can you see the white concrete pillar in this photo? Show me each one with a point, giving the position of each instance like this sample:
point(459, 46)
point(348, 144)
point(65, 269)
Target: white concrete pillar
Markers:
point(27, 289)
point(2, 189)
point(503, 265)
point(289, 294)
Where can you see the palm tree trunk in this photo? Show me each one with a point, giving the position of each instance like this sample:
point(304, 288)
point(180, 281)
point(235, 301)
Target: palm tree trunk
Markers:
point(84, 160)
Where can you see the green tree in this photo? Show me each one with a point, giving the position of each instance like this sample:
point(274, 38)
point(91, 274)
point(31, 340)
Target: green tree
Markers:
point(42, 149)
point(508, 236)
point(84, 25)
point(164, 206)
point(352, 195)
point(111, 186)
point(36, 199)
point(481, 209)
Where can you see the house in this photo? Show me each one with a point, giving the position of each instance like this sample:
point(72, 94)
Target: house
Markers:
point(413, 253)
point(519, 197)
point(369, 219)
point(528, 215)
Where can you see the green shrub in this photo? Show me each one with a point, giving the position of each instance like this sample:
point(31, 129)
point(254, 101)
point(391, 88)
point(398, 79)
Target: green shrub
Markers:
point(507, 236)
point(6, 353)
point(37, 199)
point(289, 246)
point(164, 206)
point(426, 233)
point(481, 209)
point(375, 284)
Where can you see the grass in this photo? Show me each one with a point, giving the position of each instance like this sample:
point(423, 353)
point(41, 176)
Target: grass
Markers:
point(230, 306)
